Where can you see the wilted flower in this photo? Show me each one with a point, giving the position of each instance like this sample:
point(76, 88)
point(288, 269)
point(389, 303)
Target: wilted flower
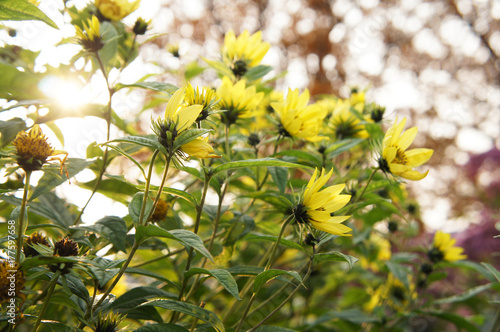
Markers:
point(243, 52)
point(299, 119)
point(238, 100)
point(90, 37)
point(161, 210)
point(11, 281)
point(444, 249)
point(115, 10)
point(64, 248)
point(178, 118)
point(317, 206)
point(395, 157)
point(33, 239)
point(33, 150)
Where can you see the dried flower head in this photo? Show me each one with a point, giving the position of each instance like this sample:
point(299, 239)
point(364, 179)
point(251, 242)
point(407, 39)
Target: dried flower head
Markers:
point(11, 281)
point(33, 239)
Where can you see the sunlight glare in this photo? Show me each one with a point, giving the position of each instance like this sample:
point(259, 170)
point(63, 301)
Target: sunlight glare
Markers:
point(67, 93)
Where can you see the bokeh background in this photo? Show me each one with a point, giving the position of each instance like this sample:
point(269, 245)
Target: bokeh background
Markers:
point(435, 62)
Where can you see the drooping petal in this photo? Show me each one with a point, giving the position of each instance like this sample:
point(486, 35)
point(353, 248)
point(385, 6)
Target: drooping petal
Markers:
point(414, 175)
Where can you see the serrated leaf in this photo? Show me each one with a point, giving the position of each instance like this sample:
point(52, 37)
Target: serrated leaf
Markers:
point(22, 10)
point(464, 296)
point(155, 86)
point(268, 275)
point(264, 162)
point(189, 309)
point(50, 180)
point(283, 242)
point(186, 238)
point(138, 295)
point(222, 276)
point(335, 256)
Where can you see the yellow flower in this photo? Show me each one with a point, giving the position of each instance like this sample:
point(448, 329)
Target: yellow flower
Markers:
point(243, 52)
point(206, 98)
point(444, 249)
point(345, 124)
point(317, 207)
point(11, 281)
point(396, 159)
point(178, 118)
point(115, 10)
point(33, 150)
point(357, 101)
point(381, 249)
point(299, 119)
point(199, 148)
point(90, 37)
point(238, 100)
point(396, 295)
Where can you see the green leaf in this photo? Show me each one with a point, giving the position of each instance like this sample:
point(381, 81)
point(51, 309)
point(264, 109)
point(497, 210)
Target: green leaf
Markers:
point(471, 265)
point(301, 156)
point(257, 72)
point(268, 275)
point(134, 208)
point(186, 238)
point(459, 321)
point(342, 146)
point(400, 272)
point(149, 141)
point(246, 271)
point(176, 192)
point(125, 154)
point(191, 310)
point(273, 329)
point(283, 242)
point(493, 271)
point(237, 228)
point(108, 54)
point(264, 162)
point(145, 313)
point(23, 10)
point(138, 295)
point(10, 128)
point(355, 316)
point(223, 277)
point(50, 180)
point(112, 228)
point(66, 301)
point(77, 287)
point(193, 70)
point(155, 86)
point(335, 256)
point(31, 262)
point(280, 177)
point(162, 328)
point(464, 296)
point(135, 270)
point(188, 135)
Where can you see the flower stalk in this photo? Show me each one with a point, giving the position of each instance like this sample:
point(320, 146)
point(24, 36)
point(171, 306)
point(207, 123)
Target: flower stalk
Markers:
point(50, 291)
point(22, 226)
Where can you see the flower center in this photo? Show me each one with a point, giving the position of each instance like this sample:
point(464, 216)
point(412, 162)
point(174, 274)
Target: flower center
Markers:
point(400, 157)
point(300, 214)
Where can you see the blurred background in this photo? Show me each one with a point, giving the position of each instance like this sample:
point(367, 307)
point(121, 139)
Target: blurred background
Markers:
point(435, 62)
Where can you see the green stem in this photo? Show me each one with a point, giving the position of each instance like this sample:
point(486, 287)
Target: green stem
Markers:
point(135, 246)
point(45, 304)
point(496, 322)
point(20, 232)
point(160, 189)
point(146, 188)
point(362, 192)
point(199, 211)
point(268, 266)
point(287, 299)
point(108, 130)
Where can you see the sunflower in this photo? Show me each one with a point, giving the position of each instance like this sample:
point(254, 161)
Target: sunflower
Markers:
point(297, 119)
point(396, 159)
point(33, 150)
point(115, 10)
point(238, 100)
point(317, 207)
point(205, 97)
point(444, 249)
point(346, 124)
point(178, 118)
point(244, 51)
point(90, 37)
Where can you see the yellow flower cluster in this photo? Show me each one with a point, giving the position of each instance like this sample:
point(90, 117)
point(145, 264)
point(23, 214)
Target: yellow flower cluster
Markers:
point(115, 10)
point(444, 249)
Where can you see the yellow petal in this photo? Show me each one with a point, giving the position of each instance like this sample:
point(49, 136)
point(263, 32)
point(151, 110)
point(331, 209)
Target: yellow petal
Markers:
point(173, 103)
point(389, 154)
point(413, 175)
point(407, 138)
point(187, 116)
point(332, 228)
point(417, 157)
